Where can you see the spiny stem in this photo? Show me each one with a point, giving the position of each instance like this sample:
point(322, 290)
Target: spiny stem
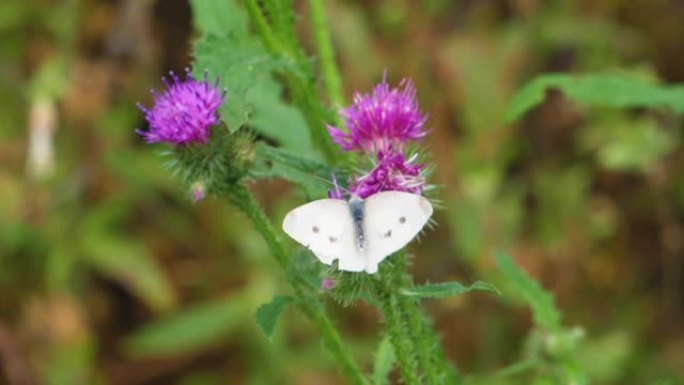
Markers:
point(413, 317)
point(386, 288)
point(242, 198)
point(326, 54)
point(430, 352)
point(424, 344)
point(448, 374)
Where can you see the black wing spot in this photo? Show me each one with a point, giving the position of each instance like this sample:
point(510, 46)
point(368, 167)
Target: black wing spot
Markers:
point(315, 229)
point(387, 234)
point(332, 239)
point(402, 220)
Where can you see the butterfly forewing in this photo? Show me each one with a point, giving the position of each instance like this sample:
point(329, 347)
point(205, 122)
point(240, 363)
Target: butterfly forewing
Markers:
point(392, 220)
point(326, 228)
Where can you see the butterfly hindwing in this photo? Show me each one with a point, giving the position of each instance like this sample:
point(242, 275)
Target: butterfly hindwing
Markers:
point(392, 220)
point(326, 228)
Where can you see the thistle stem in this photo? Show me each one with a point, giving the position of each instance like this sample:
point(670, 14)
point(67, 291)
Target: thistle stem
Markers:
point(430, 351)
point(261, 25)
point(425, 349)
point(310, 305)
point(326, 54)
point(387, 291)
point(413, 339)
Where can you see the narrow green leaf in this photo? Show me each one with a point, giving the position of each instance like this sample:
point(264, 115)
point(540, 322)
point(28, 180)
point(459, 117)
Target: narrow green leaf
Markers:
point(195, 328)
point(294, 160)
point(127, 262)
point(312, 176)
point(607, 90)
point(542, 303)
point(446, 289)
point(267, 314)
point(311, 186)
point(518, 367)
point(384, 360)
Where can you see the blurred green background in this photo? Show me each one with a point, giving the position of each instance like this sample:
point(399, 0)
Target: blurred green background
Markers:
point(110, 275)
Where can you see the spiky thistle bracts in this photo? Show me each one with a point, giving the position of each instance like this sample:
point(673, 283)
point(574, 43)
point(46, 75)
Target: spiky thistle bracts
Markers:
point(392, 172)
point(185, 112)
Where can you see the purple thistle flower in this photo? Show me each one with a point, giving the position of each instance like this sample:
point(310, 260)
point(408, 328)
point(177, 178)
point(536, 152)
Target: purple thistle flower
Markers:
point(393, 172)
point(381, 121)
point(185, 112)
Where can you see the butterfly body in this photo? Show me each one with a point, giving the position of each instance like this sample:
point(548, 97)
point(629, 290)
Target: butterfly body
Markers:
point(358, 233)
point(356, 210)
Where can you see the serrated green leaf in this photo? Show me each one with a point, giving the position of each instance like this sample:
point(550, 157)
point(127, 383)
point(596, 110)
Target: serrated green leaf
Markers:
point(384, 360)
point(277, 120)
point(253, 96)
point(220, 17)
point(267, 314)
point(240, 64)
point(542, 303)
point(607, 90)
point(446, 289)
point(195, 328)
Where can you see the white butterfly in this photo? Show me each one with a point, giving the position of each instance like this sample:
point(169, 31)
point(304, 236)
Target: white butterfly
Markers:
point(359, 233)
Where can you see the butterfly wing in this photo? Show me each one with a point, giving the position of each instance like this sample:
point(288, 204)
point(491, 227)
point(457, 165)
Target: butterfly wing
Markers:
point(392, 220)
point(326, 228)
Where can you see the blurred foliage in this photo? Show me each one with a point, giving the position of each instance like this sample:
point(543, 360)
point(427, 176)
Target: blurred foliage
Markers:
point(608, 90)
point(109, 275)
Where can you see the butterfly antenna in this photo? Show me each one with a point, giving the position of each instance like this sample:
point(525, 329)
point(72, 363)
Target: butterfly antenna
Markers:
point(334, 183)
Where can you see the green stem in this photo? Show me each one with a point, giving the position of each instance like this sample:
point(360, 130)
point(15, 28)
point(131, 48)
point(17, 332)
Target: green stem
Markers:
point(304, 95)
point(333, 342)
point(424, 344)
point(448, 373)
point(386, 288)
point(261, 25)
point(302, 88)
point(430, 352)
point(326, 54)
point(242, 198)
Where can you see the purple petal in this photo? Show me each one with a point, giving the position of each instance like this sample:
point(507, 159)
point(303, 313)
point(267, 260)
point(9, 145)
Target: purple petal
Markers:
point(386, 119)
